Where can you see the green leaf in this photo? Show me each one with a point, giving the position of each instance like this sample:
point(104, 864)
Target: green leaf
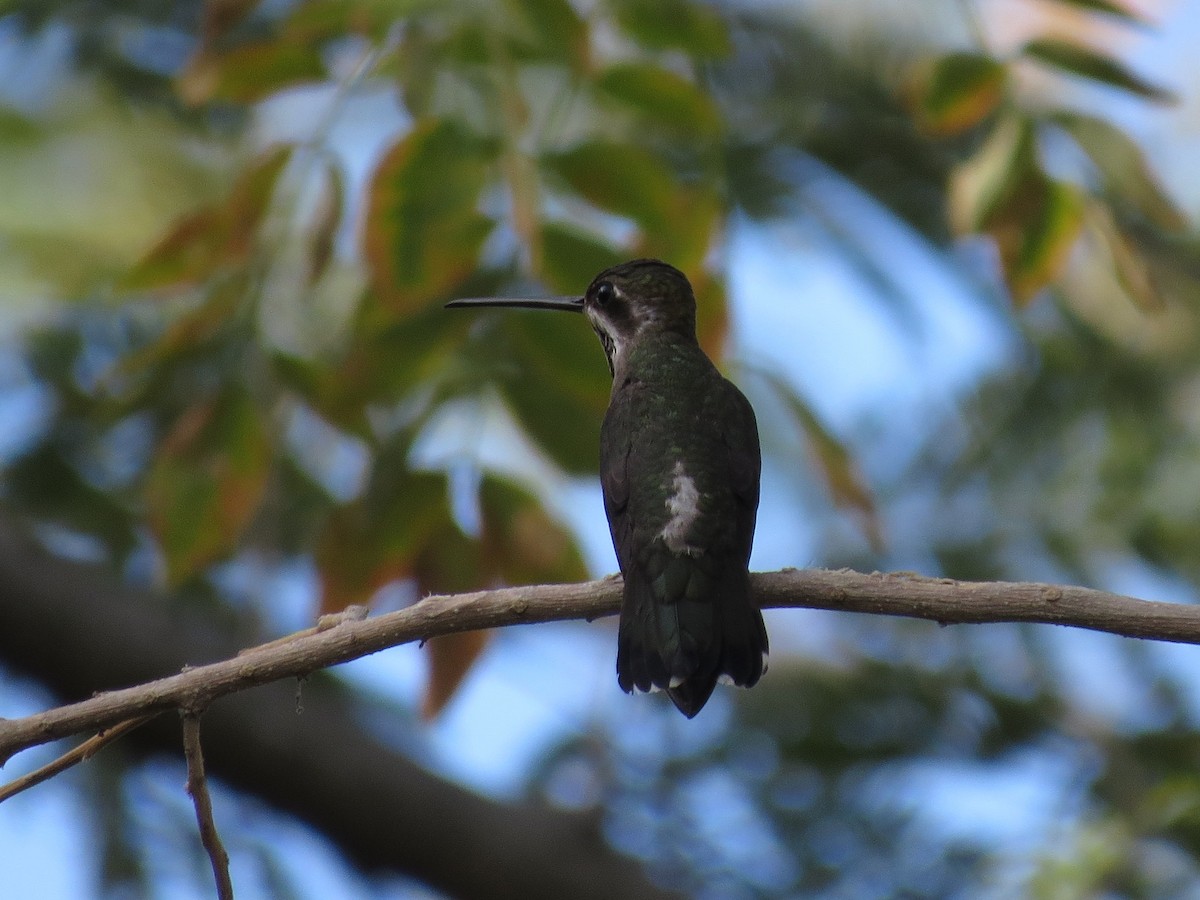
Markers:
point(673, 25)
point(956, 91)
point(380, 537)
point(207, 481)
point(553, 28)
point(1123, 168)
point(45, 485)
point(660, 98)
point(18, 129)
point(572, 257)
point(559, 386)
point(191, 330)
point(1088, 63)
point(423, 230)
point(566, 431)
point(618, 178)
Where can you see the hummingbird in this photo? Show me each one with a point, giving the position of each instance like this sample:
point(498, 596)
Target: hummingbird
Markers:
point(679, 470)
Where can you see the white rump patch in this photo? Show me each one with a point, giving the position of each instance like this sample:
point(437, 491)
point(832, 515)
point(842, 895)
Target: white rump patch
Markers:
point(684, 507)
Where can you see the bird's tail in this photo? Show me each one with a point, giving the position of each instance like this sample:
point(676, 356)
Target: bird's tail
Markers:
point(682, 630)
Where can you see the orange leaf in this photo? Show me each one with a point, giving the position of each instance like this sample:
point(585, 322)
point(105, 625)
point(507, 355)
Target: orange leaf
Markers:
point(450, 659)
point(953, 92)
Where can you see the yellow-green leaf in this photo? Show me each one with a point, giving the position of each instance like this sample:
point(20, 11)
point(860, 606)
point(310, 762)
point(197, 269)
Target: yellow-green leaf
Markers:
point(1129, 267)
point(1107, 7)
point(1088, 63)
point(980, 185)
point(1035, 232)
point(423, 230)
point(712, 311)
point(954, 92)
point(693, 212)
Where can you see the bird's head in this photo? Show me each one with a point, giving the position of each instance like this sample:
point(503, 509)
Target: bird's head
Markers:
point(624, 303)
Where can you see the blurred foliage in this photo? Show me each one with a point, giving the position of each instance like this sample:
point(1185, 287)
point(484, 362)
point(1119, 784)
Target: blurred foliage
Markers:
point(237, 330)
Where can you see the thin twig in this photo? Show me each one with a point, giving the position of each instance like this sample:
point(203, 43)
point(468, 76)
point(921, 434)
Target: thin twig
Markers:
point(941, 600)
point(197, 787)
point(81, 753)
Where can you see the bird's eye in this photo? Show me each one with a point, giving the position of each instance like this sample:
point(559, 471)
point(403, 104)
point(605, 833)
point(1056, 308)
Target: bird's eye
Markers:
point(605, 293)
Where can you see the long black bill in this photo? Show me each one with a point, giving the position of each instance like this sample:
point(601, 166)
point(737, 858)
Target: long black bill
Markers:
point(568, 304)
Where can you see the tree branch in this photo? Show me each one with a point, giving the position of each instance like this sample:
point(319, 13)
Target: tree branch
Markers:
point(197, 788)
point(942, 600)
point(76, 629)
point(77, 754)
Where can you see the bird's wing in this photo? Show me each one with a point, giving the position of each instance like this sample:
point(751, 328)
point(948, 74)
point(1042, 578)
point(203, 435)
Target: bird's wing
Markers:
point(616, 442)
point(740, 435)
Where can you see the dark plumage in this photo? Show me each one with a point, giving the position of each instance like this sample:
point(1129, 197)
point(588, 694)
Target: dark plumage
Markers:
point(679, 466)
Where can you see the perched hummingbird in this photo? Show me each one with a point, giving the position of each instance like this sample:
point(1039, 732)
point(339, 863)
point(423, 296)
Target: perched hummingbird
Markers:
point(679, 467)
